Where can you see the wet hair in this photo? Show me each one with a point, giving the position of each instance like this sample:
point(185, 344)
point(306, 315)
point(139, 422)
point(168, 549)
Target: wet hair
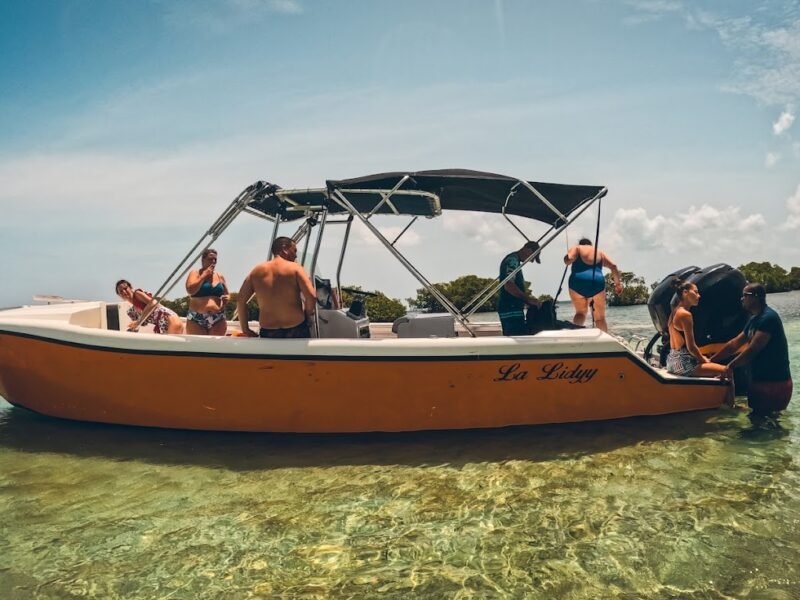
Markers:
point(681, 286)
point(116, 285)
point(208, 251)
point(584, 242)
point(280, 244)
point(758, 290)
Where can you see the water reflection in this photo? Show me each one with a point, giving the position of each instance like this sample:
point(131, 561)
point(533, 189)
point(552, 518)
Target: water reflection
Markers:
point(29, 432)
point(699, 505)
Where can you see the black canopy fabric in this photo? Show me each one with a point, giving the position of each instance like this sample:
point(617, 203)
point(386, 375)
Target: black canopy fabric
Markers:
point(456, 189)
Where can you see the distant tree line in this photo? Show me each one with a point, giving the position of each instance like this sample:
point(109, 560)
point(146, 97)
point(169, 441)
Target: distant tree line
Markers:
point(774, 277)
point(634, 290)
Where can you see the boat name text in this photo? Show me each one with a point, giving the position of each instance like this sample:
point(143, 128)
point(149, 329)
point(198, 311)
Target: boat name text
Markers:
point(510, 373)
point(576, 374)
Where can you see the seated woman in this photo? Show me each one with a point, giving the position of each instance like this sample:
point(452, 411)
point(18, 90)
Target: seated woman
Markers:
point(208, 294)
point(587, 284)
point(164, 319)
point(684, 357)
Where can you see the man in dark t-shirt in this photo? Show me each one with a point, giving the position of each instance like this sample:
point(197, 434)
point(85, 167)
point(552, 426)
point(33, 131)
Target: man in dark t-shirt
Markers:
point(513, 297)
point(767, 353)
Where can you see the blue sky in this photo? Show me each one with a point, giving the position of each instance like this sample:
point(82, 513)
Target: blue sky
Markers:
point(127, 127)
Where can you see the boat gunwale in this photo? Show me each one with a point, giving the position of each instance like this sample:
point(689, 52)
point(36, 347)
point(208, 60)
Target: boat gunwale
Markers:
point(623, 352)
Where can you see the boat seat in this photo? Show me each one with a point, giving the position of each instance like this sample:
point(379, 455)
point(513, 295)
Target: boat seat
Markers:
point(425, 325)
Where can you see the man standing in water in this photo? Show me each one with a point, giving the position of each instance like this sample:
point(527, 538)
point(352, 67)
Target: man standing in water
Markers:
point(767, 353)
point(513, 297)
point(284, 292)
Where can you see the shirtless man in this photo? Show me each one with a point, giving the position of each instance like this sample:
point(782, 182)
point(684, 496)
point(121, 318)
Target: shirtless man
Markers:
point(285, 295)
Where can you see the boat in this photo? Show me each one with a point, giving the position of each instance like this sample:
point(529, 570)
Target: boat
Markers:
point(430, 372)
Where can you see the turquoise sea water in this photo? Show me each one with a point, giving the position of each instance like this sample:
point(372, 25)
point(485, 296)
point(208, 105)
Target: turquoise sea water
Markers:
point(700, 505)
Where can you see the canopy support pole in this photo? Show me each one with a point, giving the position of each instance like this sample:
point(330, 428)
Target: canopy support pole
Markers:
point(238, 205)
point(511, 192)
point(341, 256)
point(406, 228)
point(445, 302)
point(314, 262)
point(553, 233)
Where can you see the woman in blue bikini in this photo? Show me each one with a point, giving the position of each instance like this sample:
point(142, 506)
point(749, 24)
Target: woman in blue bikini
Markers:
point(587, 285)
point(208, 293)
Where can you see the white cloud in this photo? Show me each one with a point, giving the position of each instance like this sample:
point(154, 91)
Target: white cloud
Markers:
point(491, 232)
point(767, 56)
point(288, 7)
point(655, 7)
point(771, 159)
point(217, 17)
point(783, 123)
point(768, 65)
point(706, 229)
point(793, 212)
point(647, 11)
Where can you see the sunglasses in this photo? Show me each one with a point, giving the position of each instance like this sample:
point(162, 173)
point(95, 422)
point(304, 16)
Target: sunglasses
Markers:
point(747, 294)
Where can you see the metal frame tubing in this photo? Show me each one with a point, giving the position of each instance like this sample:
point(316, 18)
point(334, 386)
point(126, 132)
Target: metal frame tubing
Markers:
point(304, 232)
point(446, 303)
point(274, 236)
point(341, 255)
point(511, 192)
point(217, 228)
point(314, 262)
point(555, 232)
point(385, 197)
point(406, 228)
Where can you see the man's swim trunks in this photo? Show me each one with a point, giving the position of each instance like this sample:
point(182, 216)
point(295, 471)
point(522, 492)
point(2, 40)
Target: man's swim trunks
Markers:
point(765, 397)
point(298, 331)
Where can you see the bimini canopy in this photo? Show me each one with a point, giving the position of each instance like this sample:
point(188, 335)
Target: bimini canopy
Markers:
point(427, 193)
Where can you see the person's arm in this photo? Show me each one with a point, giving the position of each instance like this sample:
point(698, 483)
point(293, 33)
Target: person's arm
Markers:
point(685, 323)
point(226, 295)
point(245, 292)
point(614, 273)
point(571, 255)
point(757, 343)
point(730, 347)
point(196, 279)
point(308, 292)
point(506, 268)
point(150, 305)
point(514, 290)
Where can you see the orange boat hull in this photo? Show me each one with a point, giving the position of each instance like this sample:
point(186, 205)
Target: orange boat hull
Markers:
point(335, 394)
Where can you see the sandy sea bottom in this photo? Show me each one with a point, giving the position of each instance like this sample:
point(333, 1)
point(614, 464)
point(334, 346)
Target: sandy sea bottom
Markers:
point(700, 505)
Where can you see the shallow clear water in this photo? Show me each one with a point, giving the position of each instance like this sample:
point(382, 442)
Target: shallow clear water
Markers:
point(701, 505)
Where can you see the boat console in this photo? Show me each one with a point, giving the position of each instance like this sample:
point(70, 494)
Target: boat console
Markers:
point(425, 326)
point(341, 323)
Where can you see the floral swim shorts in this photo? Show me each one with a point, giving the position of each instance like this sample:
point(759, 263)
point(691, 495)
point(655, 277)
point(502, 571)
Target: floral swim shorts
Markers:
point(205, 320)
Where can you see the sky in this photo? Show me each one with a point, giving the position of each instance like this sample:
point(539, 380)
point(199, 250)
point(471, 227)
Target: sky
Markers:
point(126, 128)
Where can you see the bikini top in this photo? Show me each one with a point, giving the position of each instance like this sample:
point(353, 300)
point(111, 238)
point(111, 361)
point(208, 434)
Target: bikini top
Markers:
point(136, 303)
point(207, 290)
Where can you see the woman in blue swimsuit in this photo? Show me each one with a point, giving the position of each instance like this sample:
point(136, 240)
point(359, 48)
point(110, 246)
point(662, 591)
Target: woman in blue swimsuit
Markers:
point(208, 294)
point(587, 285)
